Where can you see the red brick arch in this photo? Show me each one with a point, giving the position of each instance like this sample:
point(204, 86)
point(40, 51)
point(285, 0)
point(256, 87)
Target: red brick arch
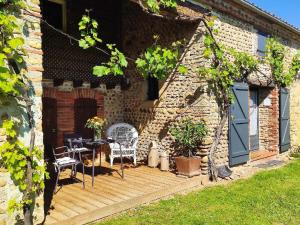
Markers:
point(65, 107)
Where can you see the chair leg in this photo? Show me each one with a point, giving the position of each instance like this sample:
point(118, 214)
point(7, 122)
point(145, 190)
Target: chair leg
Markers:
point(111, 161)
point(56, 183)
point(75, 171)
point(134, 160)
point(72, 172)
point(83, 181)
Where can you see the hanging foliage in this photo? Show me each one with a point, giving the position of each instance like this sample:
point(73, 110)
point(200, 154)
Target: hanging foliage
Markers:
point(156, 5)
point(23, 162)
point(14, 155)
point(115, 65)
point(227, 66)
point(117, 61)
point(88, 31)
point(159, 62)
point(275, 57)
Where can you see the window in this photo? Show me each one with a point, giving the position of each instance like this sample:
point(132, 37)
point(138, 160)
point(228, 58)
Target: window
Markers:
point(261, 43)
point(55, 13)
point(153, 88)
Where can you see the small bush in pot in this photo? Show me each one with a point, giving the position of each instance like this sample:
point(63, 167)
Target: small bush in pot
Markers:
point(188, 135)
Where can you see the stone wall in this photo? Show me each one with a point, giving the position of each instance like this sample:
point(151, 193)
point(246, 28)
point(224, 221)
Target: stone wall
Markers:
point(295, 114)
point(154, 118)
point(32, 35)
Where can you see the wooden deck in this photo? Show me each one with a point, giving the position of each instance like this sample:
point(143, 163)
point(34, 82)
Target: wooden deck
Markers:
point(111, 194)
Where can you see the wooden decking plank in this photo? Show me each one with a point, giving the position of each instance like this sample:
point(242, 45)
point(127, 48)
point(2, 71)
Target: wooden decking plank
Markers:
point(142, 180)
point(140, 185)
point(125, 205)
point(121, 188)
point(83, 196)
point(50, 220)
point(157, 173)
point(76, 208)
point(58, 215)
point(138, 189)
point(76, 201)
point(96, 195)
point(156, 178)
point(114, 195)
point(65, 210)
point(111, 194)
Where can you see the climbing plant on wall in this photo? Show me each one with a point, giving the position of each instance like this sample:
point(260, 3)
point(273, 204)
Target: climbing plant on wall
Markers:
point(275, 57)
point(23, 161)
point(159, 62)
point(225, 67)
point(156, 61)
point(156, 5)
point(228, 66)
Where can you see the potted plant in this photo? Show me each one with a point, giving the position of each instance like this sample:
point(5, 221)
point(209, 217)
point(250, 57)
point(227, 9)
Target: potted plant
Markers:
point(96, 124)
point(188, 135)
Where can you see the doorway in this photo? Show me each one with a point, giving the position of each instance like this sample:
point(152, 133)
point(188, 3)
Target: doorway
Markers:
point(254, 120)
point(84, 109)
point(49, 126)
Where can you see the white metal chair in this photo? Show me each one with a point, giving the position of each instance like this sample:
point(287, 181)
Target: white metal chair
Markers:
point(126, 138)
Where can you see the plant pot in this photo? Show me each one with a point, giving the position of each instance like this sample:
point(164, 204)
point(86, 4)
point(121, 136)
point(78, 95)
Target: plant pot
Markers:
point(188, 166)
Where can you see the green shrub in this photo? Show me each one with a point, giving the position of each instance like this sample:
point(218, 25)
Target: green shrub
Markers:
point(189, 134)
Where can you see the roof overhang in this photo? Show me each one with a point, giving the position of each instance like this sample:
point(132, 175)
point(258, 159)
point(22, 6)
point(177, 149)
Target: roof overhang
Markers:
point(255, 9)
point(267, 15)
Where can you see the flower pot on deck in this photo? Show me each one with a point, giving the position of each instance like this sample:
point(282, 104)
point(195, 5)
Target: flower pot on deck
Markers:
point(188, 166)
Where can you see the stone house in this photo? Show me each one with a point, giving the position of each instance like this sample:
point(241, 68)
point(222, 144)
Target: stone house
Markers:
point(67, 94)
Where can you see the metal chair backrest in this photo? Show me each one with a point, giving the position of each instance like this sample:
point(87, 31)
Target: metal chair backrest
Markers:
point(73, 140)
point(123, 133)
point(61, 152)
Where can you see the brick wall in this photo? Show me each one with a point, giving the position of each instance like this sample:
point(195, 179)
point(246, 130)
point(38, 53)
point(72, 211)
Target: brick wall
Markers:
point(109, 104)
point(268, 123)
point(65, 107)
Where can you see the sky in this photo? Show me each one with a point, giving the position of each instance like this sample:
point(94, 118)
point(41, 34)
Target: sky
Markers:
point(289, 10)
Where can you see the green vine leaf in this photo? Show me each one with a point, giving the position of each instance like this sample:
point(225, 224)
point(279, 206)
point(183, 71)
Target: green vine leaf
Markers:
point(159, 62)
point(155, 5)
point(275, 56)
point(88, 31)
point(116, 64)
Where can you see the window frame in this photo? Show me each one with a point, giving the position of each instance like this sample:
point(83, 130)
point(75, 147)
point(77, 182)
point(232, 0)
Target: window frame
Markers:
point(152, 89)
point(259, 52)
point(63, 4)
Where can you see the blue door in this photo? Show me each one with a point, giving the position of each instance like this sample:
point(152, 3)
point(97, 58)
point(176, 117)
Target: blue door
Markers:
point(239, 125)
point(284, 126)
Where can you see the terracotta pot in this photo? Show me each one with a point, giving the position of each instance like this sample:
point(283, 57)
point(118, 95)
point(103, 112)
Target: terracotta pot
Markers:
point(188, 166)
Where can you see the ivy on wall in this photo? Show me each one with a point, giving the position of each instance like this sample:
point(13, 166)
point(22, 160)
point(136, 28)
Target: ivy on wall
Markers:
point(275, 57)
point(159, 62)
point(24, 162)
point(156, 5)
point(228, 66)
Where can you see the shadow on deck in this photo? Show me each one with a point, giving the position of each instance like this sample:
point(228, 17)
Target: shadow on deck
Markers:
point(111, 194)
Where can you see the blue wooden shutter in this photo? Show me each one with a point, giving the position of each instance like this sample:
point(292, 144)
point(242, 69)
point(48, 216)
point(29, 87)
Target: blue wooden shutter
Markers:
point(284, 102)
point(238, 125)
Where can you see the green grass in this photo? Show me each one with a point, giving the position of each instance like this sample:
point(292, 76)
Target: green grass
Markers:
point(270, 197)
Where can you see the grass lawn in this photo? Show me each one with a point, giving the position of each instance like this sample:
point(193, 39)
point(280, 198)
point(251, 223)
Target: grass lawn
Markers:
point(270, 197)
